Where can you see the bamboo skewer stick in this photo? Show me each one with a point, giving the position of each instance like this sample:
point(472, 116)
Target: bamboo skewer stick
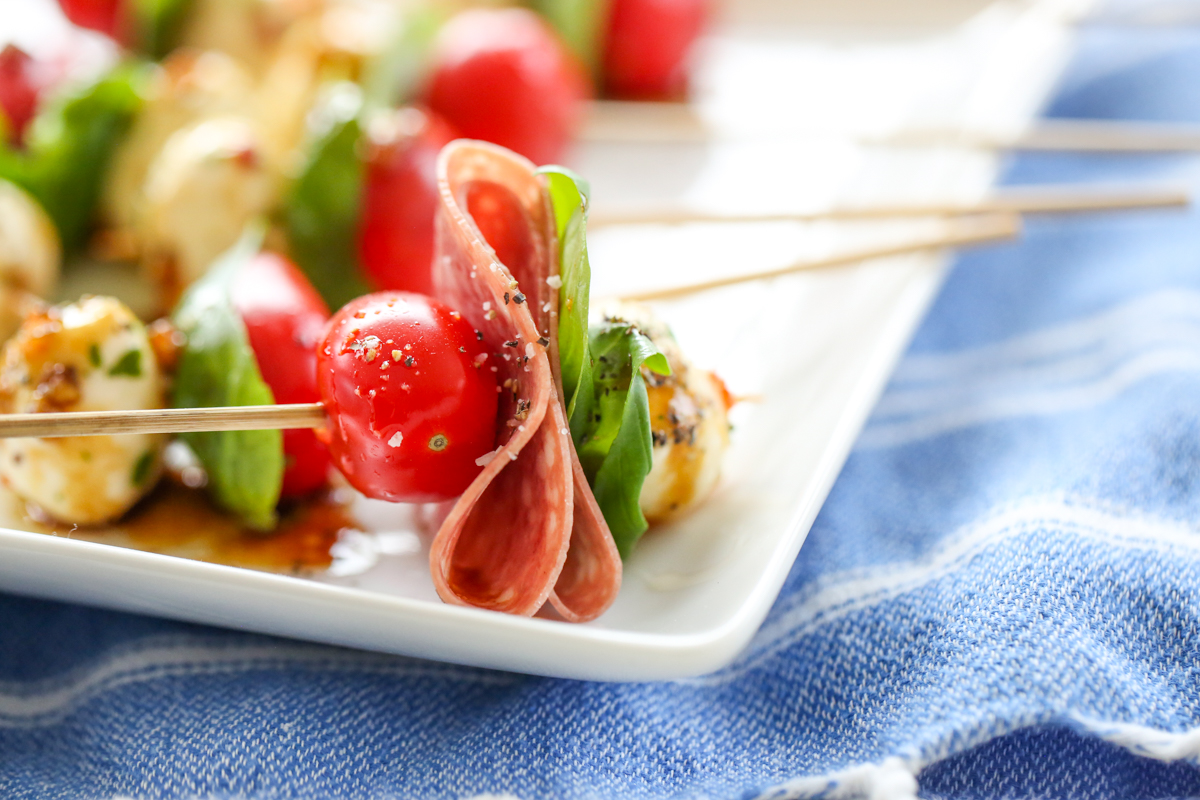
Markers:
point(987, 229)
point(162, 420)
point(1036, 200)
point(679, 123)
point(312, 415)
point(1063, 135)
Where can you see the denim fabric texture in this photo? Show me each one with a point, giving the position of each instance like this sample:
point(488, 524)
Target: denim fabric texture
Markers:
point(1001, 596)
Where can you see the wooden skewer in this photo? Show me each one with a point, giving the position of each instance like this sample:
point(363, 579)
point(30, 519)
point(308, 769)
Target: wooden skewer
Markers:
point(986, 229)
point(1034, 200)
point(663, 123)
point(1063, 135)
point(162, 420)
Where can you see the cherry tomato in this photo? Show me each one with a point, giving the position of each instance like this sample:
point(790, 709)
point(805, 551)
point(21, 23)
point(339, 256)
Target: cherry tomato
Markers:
point(410, 410)
point(647, 45)
point(285, 319)
point(503, 75)
point(99, 15)
point(18, 91)
point(400, 198)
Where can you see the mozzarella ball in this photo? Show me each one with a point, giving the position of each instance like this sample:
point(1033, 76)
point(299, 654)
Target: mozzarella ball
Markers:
point(688, 422)
point(93, 355)
point(190, 86)
point(691, 431)
point(206, 184)
point(29, 254)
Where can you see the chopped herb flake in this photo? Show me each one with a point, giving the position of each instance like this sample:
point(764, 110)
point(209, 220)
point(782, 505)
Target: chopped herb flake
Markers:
point(141, 470)
point(129, 364)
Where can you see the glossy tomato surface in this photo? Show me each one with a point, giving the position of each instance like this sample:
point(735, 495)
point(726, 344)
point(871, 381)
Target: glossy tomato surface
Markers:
point(285, 319)
point(400, 198)
point(18, 90)
point(410, 410)
point(647, 45)
point(99, 15)
point(502, 75)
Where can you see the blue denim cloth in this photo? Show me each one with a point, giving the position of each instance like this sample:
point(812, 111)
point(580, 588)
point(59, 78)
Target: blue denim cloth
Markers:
point(1001, 596)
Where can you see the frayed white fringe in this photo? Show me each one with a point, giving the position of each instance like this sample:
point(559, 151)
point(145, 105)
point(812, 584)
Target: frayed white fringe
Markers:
point(895, 779)
point(1145, 741)
point(892, 779)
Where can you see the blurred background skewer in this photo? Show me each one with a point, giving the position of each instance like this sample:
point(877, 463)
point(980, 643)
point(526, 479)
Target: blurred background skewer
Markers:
point(984, 229)
point(659, 122)
point(1048, 199)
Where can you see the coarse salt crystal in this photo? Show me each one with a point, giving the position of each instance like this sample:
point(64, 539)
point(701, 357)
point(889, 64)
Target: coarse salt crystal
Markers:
point(486, 458)
point(554, 282)
point(396, 439)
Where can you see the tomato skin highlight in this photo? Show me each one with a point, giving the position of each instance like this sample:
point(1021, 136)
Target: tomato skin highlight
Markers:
point(407, 430)
point(400, 199)
point(502, 75)
point(98, 15)
point(18, 91)
point(647, 45)
point(285, 319)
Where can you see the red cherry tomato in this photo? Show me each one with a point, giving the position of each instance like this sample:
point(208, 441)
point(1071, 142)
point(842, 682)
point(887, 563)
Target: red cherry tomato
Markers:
point(99, 15)
point(18, 91)
point(647, 45)
point(409, 410)
point(502, 75)
point(400, 199)
point(285, 319)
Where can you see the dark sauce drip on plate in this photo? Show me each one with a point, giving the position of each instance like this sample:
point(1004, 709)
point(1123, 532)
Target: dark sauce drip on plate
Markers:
point(177, 521)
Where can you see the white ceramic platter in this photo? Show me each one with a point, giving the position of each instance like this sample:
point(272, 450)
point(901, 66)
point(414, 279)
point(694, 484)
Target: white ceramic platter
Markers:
point(815, 350)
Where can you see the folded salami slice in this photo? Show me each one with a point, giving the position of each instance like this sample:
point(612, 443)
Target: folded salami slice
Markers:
point(528, 528)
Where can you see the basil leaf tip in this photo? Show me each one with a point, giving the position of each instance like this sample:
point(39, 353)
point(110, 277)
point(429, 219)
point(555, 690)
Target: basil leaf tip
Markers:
point(217, 367)
point(321, 211)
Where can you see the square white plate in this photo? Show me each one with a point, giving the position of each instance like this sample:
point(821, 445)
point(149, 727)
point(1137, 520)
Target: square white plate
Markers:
point(814, 349)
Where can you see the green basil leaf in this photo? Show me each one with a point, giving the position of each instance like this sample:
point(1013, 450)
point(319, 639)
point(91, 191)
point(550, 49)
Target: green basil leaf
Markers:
point(158, 24)
point(617, 451)
point(569, 199)
point(568, 191)
point(607, 404)
point(217, 368)
point(69, 146)
point(581, 24)
point(321, 211)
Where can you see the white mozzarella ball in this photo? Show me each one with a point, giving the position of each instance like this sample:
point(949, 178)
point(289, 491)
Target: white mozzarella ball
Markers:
point(29, 254)
point(188, 87)
point(93, 355)
point(688, 421)
point(208, 182)
point(691, 431)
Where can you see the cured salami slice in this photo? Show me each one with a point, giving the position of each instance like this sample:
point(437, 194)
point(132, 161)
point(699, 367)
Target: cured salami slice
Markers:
point(527, 529)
